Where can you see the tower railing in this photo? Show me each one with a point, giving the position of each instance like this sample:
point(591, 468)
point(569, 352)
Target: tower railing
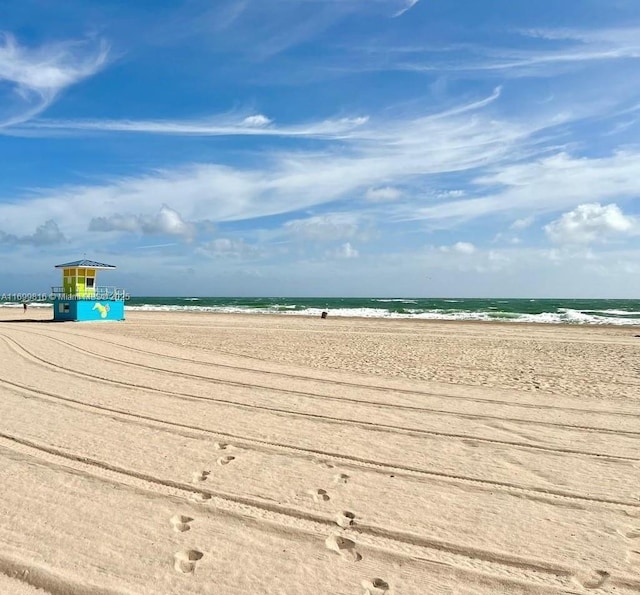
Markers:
point(101, 292)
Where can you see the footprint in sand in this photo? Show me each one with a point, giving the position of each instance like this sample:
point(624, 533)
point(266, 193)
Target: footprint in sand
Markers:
point(344, 547)
point(345, 519)
point(340, 479)
point(377, 586)
point(594, 580)
point(323, 463)
point(633, 555)
point(197, 476)
point(319, 495)
point(180, 523)
point(220, 445)
point(225, 460)
point(185, 560)
point(199, 497)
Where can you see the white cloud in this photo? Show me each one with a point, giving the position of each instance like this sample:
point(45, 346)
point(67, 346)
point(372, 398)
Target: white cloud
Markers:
point(522, 223)
point(219, 125)
point(498, 257)
point(36, 76)
point(324, 228)
point(383, 194)
point(617, 36)
point(116, 222)
point(591, 223)
point(408, 5)
point(346, 250)
point(46, 234)
point(229, 248)
point(566, 49)
point(451, 194)
point(256, 120)
point(463, 248)
point(459, 248)
point(546, 185)
point(165, 222)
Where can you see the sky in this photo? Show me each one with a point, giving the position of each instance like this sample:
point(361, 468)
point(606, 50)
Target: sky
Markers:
point(400, 148)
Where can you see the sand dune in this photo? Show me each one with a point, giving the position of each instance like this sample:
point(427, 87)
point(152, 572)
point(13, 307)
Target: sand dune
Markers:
point(230, 454)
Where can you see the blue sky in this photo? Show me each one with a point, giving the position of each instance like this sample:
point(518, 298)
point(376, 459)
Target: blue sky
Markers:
point(323, 147)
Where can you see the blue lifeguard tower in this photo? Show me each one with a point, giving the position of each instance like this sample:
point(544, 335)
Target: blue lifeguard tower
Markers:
point(80, 297)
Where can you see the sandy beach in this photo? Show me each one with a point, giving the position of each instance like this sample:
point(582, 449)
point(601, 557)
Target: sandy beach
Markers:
point(254, 454)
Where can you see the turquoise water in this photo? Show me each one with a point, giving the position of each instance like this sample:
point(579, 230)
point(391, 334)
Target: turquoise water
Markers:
point(568, 311)
point(561, 311)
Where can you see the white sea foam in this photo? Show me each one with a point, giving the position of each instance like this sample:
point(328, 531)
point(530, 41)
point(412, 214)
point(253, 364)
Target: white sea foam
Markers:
point(615, 312)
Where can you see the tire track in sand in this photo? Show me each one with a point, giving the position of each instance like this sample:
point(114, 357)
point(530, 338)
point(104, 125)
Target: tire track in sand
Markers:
point(361, 386)
point(389, 428)
point(345, 460)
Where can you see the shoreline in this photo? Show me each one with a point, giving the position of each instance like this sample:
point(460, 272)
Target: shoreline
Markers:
point(364, 319)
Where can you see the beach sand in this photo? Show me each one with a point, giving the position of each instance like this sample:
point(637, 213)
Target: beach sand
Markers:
point(250, 454)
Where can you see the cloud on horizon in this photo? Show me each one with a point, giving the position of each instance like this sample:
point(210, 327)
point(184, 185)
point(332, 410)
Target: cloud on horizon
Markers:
point(592, 222)
point(165, 222)
point(46, 234)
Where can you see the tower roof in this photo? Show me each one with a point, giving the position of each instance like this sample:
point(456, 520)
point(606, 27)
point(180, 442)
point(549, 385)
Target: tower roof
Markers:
point(90, 264)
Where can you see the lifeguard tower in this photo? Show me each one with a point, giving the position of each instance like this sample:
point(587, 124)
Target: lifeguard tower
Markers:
point(80, 297)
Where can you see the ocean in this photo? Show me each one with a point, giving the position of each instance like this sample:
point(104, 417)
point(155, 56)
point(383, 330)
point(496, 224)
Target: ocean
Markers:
point(558, 311)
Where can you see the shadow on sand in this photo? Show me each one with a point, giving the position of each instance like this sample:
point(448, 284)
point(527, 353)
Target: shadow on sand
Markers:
point(31, 320)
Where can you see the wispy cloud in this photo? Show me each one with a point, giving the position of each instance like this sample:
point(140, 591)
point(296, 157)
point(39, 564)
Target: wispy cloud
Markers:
point(324, 228)
point(545, 185)
point(374, 155)
point(242, 124)
point(36, 76)
point(154, 246)
point(264, 30)
point(548, 53)
point(226, 248)
point(383, 194)
point(408, 5)
point(222, 125)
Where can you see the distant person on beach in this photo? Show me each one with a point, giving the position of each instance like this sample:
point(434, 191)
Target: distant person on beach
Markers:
point(24, 306)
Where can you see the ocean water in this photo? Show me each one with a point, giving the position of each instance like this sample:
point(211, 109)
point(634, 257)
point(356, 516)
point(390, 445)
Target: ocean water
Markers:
point(559, 311)
point(506, 310)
